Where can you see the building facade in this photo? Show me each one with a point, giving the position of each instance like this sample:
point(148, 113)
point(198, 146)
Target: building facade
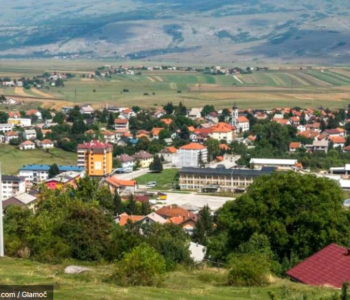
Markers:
point(96, 157)
point(12, 186)
point(215, 180)
point(189, 155)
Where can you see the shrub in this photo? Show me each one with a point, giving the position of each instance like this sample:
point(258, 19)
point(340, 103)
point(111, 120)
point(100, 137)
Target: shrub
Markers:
point(144, 266)
point(248, 270)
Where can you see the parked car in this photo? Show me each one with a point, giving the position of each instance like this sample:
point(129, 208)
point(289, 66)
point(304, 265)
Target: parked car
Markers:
point(151, 184)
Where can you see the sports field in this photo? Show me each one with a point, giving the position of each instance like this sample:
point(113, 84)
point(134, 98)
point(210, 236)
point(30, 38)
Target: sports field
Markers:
point(280, 86)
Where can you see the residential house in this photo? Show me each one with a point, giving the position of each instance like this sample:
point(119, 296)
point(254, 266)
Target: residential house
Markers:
point(169, 154)
point(124, 219)
point(121, 124)
point(195, 113)
point(127, 114)
point(294, 146)
point(12, 135)
point(126, 162)
point(152, 218)
point(187, 223)
point(108, 136)
point(26, 145)
point(159, 113)
point(338, 141)
point(335, 132)
point(63, 180)
point(240, 123)
point(166, 121)
point(155, 132)
point(260, 115)
point(14, 114)
point(294, 120)
point(222, 131)
point(144, 158)
point(120, 133)
point(6, 127)
point(46, 144)
point(23, 200)
point(121, 186)
point(45, 132)
point(34, 112)
point(328, 267)
point(283, 122)
point(86, 109)
point(321, 146)
point(66, 109)
point(171, 211)
point(12, 185)
point(189, 155)
point(29, 134)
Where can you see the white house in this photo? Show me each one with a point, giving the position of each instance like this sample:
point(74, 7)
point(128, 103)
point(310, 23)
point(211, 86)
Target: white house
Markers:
point(126, 162)
point(22, 122)
point(223, 131)
point(195, 113)
point(12, 135)
point(29, 134)
point(87, 109)
point(169, 154)
point(6, 127)
point(27, 145)
point(46, 144)
point(109, 136)
point(188, 155)
point(121, 124)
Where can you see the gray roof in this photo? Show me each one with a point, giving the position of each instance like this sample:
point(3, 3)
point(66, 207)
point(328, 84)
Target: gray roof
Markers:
point(228, 172)
point(30, 131)
point(142, 155)
point(125, 158)
point(11, 178)
point(25, 198)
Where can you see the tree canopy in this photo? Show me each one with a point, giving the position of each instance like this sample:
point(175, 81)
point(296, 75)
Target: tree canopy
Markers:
point(298, 213)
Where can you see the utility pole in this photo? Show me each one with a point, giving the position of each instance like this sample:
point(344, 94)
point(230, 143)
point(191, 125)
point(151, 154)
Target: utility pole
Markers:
point(1, 219)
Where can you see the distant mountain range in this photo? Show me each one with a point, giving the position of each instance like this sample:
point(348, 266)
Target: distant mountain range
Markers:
point(181, 30)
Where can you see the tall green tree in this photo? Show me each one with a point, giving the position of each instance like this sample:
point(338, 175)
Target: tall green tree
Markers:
point(298, 213)
point(3, 117)
point(131, 206)
point(204, 226)
point(111, 119)
point(53, 171)
point(156, 166)
point(117, 204)
point(169, 108)
point(213, 147)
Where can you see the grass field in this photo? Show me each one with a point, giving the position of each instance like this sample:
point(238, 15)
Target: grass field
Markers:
point(164, 180)
point(280, 86)
point(12, 159)
point(190, 285)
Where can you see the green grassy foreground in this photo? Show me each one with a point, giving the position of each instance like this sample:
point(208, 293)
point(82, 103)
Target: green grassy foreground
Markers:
point(164, 179)
point(191, 285)
point(12, 158)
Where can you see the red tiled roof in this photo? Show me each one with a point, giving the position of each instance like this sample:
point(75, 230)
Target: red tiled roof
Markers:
point(224, 147)
point(222, 127)
point(167, 121)
point(46, 142)
point(330, 266)
point(156, 130)
point(295, 145)
point(193, 146)
point(11, 133)
point(95, 144)
point(337, 139)
point(26, 143)
point(124, 218)
point(175, 211)
point(242, 119)
point(118, 182)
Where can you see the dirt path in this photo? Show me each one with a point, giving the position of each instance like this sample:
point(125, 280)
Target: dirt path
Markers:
point(40, 93)
point(235, 77)
point(20, 92)
point(159, 78)
point(313, 80)
point(151, 79)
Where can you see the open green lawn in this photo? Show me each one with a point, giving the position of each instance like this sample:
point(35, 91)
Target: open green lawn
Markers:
point(12, 159)
point(185, 285)
point(164, 180)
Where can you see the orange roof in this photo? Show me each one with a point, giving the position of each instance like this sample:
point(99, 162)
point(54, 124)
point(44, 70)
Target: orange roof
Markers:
point(252, 138)
point(222, 127)
point(11, 133)
point(295, 145)
point(175, 220)
point(118, 182)
point(45, 131)
point(106, 132)
point(341, 129)
point(282, 121)
point(191, 128)
point(155, 131)
point(337, 139)
point(242, 119)
point(175, 211)
point(126, 111)
point(47, 141)
point(124, 218)
point(193, 146)
point(167, 121)
point(298, 165)
point(309, 134)
point(120, 121)
point(224, 147)
point(219, 158)
point(31, 112)
point(27, 143)
point(127, 134)
point(13, 113)
point(295, 119)
point(172, 149)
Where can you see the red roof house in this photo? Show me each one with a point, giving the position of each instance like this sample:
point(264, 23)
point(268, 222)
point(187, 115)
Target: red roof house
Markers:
point(328, 267)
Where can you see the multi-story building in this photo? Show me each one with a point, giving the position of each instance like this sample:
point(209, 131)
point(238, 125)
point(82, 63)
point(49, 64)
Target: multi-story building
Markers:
point(12, 186)
point(22, 122)
point(189, 155)
point(96, 157)
point(215, 180)
point(121, 124)
point(126, 162)
point(241, 123)
point(222, 131)
point(35, 174)
point(6, 127)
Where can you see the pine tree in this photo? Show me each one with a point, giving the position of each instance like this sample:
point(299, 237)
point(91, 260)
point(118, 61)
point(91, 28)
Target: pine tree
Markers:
point(104, 115)
point(204, 226)
point(201, 163)
point(182, 110)
point(156, 166)
point(145, 208)
point(132, 206)
point(117, 204)
point(111, 120)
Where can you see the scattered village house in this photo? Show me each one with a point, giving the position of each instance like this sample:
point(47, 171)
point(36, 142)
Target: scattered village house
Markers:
point(195, 113)
point(29, 134)
point(12, 135)
point(63, 180)
point(222, 131)
point(144, 158)
point(126, 162)
point(294, 146)
point(121, 124)
point(241, 123)
point(86, 109)
point(21, 122)
point(6, 127)
point(34, 112)
point(26, 145)
point(23, 200)
point(121, 186)
point(46, 144)
point(169, 154)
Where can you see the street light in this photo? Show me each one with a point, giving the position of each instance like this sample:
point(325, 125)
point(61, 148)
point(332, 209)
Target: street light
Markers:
point(1, 219)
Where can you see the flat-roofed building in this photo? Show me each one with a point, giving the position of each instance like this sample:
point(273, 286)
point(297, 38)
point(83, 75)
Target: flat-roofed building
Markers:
point(259, 163)
point(215, 180)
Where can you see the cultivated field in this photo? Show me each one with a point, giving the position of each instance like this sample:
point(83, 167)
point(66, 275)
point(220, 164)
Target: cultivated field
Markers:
point(12, 158)
point(280, 86)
